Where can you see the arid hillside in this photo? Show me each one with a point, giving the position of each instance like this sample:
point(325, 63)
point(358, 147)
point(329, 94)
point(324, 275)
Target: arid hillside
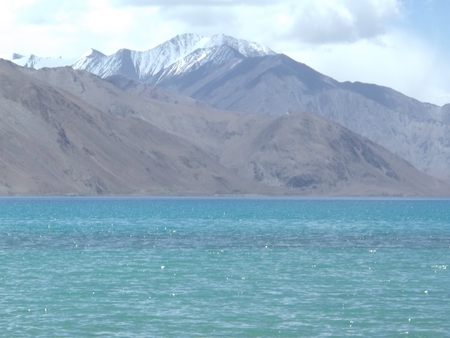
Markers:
point(64, 131)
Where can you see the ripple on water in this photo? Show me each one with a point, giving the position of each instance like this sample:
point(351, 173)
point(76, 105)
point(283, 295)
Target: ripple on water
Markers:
point(228, 267)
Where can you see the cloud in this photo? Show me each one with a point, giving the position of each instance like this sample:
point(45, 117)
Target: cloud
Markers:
point(340, 21)
point(11, 10)
point(192, 3)
point(101, 18)
point(398, 60)
point(49, 12)
point(306, 21)
point(69, 28)
point(199, 17)
point(142, 24)
point(41, 27)
point(206, 17)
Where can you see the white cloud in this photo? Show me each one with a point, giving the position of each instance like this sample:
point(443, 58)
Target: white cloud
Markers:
point(311, 21)
point(343, 21)
point(50, 12)
point(192, 3)
point(101, 18)
point(141, 24)
point(397, 60)
point(199, 18)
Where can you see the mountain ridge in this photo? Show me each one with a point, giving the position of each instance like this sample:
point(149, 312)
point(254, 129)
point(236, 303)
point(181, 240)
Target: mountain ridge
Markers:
point(142, 65)
point(222, 75)
point(55, 143)
point(275, 85)
point(128, 144)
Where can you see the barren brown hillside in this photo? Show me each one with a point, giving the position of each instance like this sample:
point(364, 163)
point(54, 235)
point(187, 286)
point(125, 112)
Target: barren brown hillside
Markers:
point(70, 132)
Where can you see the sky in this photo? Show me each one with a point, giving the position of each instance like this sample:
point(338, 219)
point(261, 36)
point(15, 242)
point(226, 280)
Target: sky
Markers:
point(402, 44)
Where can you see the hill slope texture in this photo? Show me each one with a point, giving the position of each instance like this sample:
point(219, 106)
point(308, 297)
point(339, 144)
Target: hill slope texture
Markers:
point(70, 132)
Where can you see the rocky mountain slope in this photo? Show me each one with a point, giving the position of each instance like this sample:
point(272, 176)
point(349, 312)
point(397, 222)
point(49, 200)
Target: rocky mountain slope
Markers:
point(275, 85)
point(237, 75)
point(70, 132)
point(54, 143)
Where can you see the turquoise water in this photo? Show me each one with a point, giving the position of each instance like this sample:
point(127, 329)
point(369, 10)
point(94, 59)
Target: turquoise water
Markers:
point(230, 267)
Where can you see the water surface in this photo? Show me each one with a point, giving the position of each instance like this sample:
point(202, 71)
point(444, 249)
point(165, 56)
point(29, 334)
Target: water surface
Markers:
point(248, 267)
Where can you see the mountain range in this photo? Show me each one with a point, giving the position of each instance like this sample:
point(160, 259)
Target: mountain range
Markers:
point(236, 75)
point(66, 131)
point(171, 105)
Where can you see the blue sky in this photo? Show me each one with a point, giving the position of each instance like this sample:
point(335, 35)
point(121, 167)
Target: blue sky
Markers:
point(402, 44)
point(429, 20)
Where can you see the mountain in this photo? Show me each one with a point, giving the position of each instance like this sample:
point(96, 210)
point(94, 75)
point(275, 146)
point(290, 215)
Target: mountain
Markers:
point(304, 151)
point(55, 143)
point(70, 132)
point(33, 61)
point(236, 75)
point(181, 52)
point(275, 84)
point(152, 92)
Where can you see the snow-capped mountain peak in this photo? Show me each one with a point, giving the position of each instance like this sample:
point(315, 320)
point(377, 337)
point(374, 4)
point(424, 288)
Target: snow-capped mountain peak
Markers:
point(34, 61)
point(183, 53)
point(178, 54)
point(91, 53)
point(83, 60)
point(246, 48)
point(17, 56)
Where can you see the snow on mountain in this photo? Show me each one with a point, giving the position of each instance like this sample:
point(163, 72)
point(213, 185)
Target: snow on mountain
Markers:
point(33, 61)
point(215, 56)
point(17, 56)
point(246, 48)
point(184, 50)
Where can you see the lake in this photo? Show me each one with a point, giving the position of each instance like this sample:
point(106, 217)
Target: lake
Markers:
point(231, 267)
